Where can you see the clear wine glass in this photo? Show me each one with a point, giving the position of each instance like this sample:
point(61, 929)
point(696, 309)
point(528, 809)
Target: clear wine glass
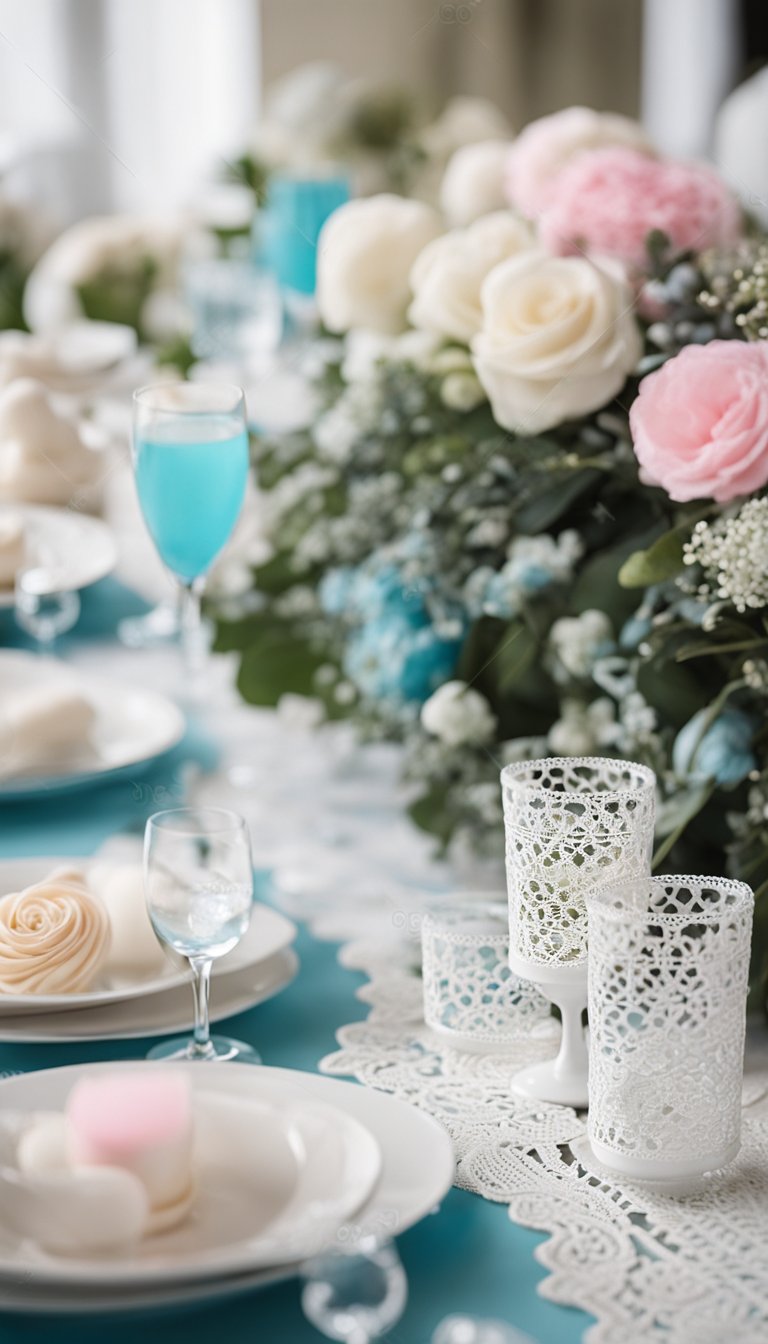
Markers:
point(198, 880)
point(43, 605)
point(190, 450)
point(356, 1292)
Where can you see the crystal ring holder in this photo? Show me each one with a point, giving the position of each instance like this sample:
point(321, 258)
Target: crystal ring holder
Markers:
point(471, 997)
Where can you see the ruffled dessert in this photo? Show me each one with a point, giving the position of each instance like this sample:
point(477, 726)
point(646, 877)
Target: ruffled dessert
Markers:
point(43, 459)
point(54, 938)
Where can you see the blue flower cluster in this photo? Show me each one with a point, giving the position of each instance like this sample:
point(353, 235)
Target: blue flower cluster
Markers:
point(394, 652)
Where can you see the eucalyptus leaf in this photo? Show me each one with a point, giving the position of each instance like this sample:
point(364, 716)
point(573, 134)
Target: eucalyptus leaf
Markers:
point(278, 663)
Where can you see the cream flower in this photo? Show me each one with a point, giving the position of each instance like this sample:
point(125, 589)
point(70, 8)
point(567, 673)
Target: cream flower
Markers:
point(558, 339)
point(54, 938)
point(365, 255)
point(448, 275)
point(474, 183)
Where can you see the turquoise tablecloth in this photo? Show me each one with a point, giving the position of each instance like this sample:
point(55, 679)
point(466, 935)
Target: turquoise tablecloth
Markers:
point(468, 1257)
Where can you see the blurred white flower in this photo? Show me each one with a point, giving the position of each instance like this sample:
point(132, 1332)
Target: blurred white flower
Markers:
point(576, 642)
point(365, 255)
point(462, 391)
point(474, 181)
point(583, 729)
point(463, 121)
point(458, 715)
point(447, 277)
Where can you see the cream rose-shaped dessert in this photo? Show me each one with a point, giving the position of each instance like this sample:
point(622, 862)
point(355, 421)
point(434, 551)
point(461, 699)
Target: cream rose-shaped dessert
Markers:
point(54, 938)
point(474, 183)
point(558, 339)
point(700, 423)
point(448, 275)
point(365, 255)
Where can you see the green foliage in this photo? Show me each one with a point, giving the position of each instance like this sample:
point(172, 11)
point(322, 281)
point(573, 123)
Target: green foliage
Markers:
point(661, 561)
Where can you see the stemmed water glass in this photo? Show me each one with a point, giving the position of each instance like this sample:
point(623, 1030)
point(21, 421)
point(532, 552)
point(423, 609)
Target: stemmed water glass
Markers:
point(190, 451)
point(198, 880)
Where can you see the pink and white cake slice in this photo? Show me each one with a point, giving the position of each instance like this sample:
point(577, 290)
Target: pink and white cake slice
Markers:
point(142, 1122)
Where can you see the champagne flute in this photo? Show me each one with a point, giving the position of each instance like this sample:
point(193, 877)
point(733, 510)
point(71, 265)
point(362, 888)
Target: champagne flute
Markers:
point(190, 450)
point(198, 881)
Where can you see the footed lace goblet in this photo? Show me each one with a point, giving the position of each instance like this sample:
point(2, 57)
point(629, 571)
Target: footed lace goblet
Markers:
point(571, 824)
point(668, 970)
point(471, 997)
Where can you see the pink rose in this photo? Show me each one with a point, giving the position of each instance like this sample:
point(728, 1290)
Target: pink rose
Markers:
point(547, 145)
point(609, 200)
point(700, 423)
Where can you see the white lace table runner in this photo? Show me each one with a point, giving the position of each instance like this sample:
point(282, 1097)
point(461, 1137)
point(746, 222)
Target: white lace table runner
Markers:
point(688, 1270)
point(329, 823)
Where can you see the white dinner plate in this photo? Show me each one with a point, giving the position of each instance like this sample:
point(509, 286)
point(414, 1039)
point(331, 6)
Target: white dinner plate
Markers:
point(268, 932)
point(274, 1181)
point(132, 728)
point(80, 548)
point(417, 1171)
point(159, 1015)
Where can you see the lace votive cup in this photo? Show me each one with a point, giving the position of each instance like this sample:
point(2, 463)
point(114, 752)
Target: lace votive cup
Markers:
point(571, 824)
point(470, 995)
point(668, 972)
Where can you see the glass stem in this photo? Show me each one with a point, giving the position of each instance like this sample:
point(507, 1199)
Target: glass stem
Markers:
point(201, 1041)
point(192, 638)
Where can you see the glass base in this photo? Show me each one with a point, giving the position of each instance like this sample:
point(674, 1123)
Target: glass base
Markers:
point(223, 1049)
point(159, 626)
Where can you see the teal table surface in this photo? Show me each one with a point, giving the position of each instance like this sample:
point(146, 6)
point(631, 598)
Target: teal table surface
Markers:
point(466, 1258)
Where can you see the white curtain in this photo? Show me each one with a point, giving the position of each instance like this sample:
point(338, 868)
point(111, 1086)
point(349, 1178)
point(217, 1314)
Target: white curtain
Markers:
point(123, 104)
point(691, 56)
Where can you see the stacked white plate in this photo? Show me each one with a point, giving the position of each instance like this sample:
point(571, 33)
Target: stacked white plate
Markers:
point(132, 727)
point(158, 1004)
point(288, 1164)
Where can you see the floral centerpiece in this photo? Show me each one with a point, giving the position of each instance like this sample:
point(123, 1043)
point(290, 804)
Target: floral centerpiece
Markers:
point(531, 515)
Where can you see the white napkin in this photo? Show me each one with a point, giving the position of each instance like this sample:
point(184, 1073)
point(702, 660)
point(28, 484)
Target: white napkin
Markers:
point(43, 459)
point(46, 725)
point(69, 360)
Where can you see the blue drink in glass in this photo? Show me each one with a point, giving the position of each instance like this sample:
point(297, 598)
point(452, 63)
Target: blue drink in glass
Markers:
point(191, 482)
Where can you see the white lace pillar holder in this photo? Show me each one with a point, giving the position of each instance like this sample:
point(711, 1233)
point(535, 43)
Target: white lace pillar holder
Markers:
point(668, 970)
point(470, 995)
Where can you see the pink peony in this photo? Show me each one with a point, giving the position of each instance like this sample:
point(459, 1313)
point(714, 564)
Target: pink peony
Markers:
point(549, 144)
point(700, 423)
point(609, 200)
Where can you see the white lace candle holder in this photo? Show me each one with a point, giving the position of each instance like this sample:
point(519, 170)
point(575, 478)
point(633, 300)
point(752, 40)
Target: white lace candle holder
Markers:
point(471, 996)
point(668, 972)
point(570, 823)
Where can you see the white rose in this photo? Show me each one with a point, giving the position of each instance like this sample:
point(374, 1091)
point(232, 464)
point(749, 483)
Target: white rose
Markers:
point(458, 716)
point(365, 255)
point(474, 181)
point(558, 339)
point(447, 277)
